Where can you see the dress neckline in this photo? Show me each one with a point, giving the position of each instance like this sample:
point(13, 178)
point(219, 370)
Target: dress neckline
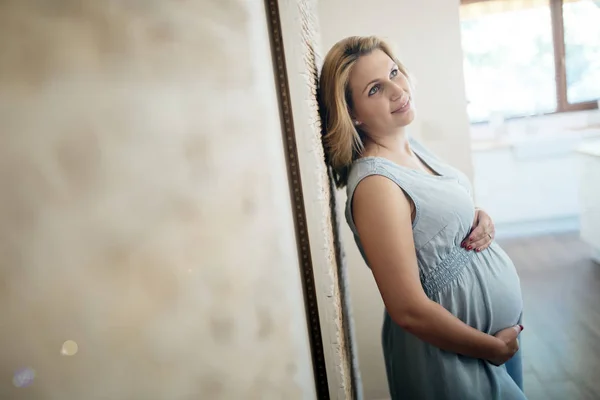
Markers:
point(427, 163)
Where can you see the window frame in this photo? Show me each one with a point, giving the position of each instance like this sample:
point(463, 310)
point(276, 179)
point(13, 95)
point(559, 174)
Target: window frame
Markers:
point(560, 71)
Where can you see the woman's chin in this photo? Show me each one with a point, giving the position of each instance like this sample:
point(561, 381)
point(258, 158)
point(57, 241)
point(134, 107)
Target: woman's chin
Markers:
point(405, 118)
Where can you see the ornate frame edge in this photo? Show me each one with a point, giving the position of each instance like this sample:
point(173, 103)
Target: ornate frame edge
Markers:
point(297, 198)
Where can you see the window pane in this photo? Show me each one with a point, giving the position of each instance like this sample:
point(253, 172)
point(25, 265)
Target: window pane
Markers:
point(508, 58)
point(582, 50)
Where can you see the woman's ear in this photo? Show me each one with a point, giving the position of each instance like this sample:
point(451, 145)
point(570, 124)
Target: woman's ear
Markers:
point(355, 120)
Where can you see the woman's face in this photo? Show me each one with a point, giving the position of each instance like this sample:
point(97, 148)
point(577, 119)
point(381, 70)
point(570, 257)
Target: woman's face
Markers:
point(380, 94)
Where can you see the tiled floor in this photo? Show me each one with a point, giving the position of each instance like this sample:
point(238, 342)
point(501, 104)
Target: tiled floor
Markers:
point(561, 340)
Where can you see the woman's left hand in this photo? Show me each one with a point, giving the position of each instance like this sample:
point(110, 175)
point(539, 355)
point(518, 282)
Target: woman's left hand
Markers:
point(482, 232)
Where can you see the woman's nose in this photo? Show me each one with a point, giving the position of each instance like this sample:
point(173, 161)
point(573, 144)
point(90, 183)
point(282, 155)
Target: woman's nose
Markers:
point(397, 91)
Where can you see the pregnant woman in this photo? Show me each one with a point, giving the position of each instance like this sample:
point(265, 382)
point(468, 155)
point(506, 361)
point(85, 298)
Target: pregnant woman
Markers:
point(452, 295)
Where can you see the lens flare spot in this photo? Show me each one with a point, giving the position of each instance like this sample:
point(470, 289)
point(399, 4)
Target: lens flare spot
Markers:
point(69, 348)
point(23, 377)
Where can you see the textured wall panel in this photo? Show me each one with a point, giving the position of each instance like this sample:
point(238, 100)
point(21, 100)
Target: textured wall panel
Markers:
point(145, 205)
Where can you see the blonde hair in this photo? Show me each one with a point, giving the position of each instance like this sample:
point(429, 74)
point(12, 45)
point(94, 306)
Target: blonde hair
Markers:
point(342, 140)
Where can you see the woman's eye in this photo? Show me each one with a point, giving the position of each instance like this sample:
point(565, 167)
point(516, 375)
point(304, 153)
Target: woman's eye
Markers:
point(374, 90)
point(394, 73)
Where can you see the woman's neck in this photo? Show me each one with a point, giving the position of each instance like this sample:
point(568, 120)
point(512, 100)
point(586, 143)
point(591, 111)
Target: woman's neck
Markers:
point(396, 143)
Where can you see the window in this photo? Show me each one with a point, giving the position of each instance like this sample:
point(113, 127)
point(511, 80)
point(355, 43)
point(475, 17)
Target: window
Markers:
point(530, 57)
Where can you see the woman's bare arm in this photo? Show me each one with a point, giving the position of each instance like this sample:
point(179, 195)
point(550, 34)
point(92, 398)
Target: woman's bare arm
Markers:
point(382, 215)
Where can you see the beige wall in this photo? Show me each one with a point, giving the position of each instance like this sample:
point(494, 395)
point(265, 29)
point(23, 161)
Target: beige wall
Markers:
point(426, 36)
point(145, 206)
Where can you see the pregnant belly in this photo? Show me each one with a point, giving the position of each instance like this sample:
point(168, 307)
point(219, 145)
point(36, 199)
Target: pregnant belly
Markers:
point(487, 295)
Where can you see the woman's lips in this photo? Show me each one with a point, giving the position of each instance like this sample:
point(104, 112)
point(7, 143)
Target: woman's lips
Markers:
point(405, 106)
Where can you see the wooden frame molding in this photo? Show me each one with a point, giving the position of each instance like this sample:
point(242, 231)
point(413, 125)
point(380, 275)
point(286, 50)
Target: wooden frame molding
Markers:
point(295, 47)
point(291, 150)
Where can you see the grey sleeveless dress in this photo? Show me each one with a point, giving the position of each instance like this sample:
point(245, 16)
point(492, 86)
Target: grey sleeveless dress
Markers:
point(482, 289)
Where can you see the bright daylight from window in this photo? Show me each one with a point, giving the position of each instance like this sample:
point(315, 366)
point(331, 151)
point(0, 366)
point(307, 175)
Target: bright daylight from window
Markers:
point(509, 56)
point(582, 46)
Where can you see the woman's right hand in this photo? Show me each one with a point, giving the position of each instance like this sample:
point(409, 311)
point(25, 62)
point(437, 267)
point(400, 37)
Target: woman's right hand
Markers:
point(510, 344)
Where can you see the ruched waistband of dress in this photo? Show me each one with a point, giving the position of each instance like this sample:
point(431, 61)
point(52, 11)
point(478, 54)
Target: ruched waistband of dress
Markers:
point(450, 267)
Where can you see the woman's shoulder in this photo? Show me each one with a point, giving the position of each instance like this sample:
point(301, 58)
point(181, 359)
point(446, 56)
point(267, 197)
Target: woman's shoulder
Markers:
point(371, 166)
point(364, 167)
